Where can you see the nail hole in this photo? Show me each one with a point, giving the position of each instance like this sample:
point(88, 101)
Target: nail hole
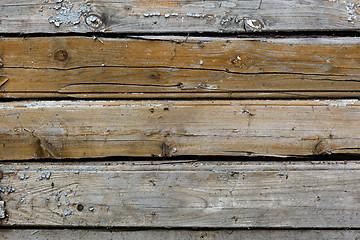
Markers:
point(79, 207)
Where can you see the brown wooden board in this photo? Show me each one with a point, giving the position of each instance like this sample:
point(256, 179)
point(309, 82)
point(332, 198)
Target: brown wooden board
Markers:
point(119, 16)
point(90, 129)
point(160, 67)
point(182, 194)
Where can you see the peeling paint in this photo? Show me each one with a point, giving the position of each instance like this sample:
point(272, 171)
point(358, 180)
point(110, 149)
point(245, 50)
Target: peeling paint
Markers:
point(352, 9)
point(208, 86)
point(341, 103)
point(45, 175)
point(65, 13)
point(227, 4)
point(67, 212)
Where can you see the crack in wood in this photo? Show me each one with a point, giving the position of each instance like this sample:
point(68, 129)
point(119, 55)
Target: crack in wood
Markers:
point(226, 70)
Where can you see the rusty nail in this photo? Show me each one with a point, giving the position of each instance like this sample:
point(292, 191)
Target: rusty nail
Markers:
point(61, 55)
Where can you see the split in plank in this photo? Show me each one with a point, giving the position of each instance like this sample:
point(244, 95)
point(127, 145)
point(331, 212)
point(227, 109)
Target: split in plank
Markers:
point(159, 67)
point(174, 194)
point(134, 16)
point(90, 129)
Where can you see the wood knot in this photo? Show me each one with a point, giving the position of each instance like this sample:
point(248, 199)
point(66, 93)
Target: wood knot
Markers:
point(320, 148)
point(94, 21)
point(156, 76)
point(61, 55)
point(253, 25)
point(167, 150)
point(236, 61)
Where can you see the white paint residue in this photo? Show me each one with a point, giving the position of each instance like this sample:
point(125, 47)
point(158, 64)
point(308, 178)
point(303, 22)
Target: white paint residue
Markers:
point(65, 13)
point(227, 4)
point(211, 87)
point(6, 107)
point(202, 5)
point(341, 103)
point(352, 9)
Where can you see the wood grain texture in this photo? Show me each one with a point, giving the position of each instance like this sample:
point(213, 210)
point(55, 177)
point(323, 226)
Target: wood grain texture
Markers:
point(90, 129)
point(177, 16)
point(174, 194)
point(41, 234)
point(159, 67)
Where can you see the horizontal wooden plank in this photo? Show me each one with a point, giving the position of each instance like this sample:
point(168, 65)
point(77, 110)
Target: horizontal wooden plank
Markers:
point(159, 67)
point(89, 129)
point(174, 194)
point(42, 234)
point(177, 16)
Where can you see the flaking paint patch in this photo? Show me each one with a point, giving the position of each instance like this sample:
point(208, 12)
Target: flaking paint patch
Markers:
point(337, 103)
point(352, 9)
point(227, 4)
point(65, 13)
point(311, 41)
point(341, 103)
point(6, 107)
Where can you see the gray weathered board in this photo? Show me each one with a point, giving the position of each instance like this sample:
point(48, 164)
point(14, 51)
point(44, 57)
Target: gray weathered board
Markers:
point(181, 234)
point(182, 194)
point(179, 67)
point(90, 129)
point(177, 16)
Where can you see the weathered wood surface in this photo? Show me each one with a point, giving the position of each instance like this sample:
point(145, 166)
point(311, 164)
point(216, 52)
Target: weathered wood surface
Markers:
point(89, 129)
point(157, 67)
point(2, 209)
point(41, 234)
point(177, 16)
point(174, 194)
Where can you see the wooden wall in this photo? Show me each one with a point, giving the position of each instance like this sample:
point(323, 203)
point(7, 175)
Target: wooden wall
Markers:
point(143, 119)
